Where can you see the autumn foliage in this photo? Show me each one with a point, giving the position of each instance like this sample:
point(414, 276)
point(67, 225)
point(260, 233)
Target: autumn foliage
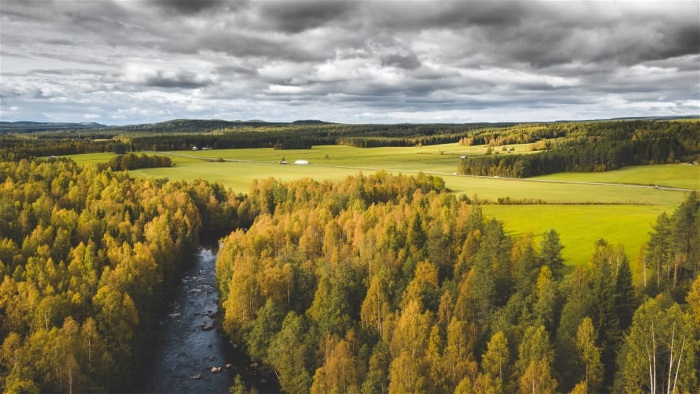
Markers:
point(86, 257)
point(391, 284)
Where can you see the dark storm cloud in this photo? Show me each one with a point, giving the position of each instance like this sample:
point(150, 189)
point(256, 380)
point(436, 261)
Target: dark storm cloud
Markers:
point(297, 16)
point(412, 16)
point(181, 80)
point(187, 6)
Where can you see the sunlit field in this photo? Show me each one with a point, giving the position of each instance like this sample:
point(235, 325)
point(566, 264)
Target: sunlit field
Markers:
point(336, 162)
point(621, 210)
point(580, 226)
point(670, 175)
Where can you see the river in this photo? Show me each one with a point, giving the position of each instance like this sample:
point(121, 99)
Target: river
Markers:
point(193, 355)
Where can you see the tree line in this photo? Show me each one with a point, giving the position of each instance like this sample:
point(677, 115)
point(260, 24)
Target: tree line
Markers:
point(595, 147)
point(391, 284)
point(183, 135)
point(86, 258)
point(132, 161)
point(567, 146)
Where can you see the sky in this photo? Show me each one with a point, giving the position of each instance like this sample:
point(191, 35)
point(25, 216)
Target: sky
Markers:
point(121, 62)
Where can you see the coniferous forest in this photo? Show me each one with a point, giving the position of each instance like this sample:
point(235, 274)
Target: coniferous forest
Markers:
point(377, 283)
point(386, 283)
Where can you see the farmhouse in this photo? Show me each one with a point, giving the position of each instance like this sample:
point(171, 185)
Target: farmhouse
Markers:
point(301, 162)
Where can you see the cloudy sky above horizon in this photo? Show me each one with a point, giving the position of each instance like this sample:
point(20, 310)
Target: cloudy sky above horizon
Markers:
point(136, 61)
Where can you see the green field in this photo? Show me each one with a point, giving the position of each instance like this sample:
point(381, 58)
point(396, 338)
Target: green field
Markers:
point(620, 206)
point(580, 226)
point(92, 158)
point(666, 175)
point(337, 162)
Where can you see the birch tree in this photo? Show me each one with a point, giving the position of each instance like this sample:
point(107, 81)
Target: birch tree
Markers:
point(660, 350)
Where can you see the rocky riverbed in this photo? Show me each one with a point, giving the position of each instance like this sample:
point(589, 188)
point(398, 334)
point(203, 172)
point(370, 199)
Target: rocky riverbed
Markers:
point(193, 355)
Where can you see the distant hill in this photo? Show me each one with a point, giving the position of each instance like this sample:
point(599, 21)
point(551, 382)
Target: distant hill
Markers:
point(32, 127)
point(187, 125)
point(204, 125)
point(169, 126)
point(193, 125)
point(311, 122)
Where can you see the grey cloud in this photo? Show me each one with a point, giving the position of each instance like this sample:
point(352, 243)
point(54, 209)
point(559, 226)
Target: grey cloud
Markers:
point(182, 80)
point(297, 16)
point(408, 62)
point(186, 6)
point(680, 41)
point(241, 45)
point(445, 15)
point(135, 76)
point(237, 70)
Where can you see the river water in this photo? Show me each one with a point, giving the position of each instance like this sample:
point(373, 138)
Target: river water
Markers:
point(191, 342)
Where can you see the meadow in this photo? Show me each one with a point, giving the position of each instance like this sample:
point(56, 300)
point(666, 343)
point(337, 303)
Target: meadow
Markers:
point(665, 175)
point(580, 226)
point(619, 206)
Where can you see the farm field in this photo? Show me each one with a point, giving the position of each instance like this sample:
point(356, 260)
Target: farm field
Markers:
point(580, 226)
point(239, 175)
point(343, 161)
point(667, 175)
point(580, 210)
point(442, 158)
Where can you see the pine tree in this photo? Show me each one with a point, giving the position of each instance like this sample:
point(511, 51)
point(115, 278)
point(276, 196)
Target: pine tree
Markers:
point(551, 253)
point(603, 306)
point(625, 297)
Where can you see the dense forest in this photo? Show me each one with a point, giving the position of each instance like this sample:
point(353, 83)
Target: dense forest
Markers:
point(86, 259)
point(390, 284)
point(585, 147)
point(183, 135)
point(132, 161)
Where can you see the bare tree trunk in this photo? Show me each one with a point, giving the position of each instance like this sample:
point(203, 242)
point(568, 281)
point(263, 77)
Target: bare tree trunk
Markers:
point(651, 373)
point(675, 379)
point(653, 344)
point(670, 361)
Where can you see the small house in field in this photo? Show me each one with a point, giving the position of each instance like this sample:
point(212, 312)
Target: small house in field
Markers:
point(301, 162)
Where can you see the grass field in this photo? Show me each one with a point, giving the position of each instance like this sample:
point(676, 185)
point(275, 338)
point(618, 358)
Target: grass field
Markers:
point(669, 175)
point(619, 206)
point(580, 226)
